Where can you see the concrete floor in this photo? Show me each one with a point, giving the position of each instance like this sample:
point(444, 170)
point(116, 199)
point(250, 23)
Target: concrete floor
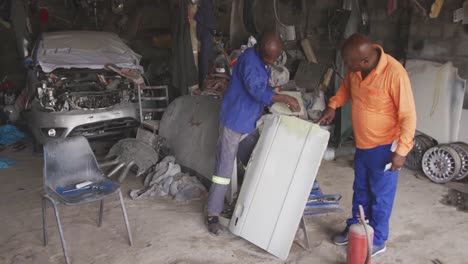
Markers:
point(422, 229)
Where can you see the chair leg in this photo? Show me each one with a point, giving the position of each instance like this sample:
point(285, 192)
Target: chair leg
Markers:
point(59, 225)
point(115, 169)
point(109, 163)
point(101, 209)
point(44, 224)
point(126, 218)
point(126, 170)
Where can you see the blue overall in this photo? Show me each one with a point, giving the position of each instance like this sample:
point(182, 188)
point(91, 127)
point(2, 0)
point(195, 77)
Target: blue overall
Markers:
point(247, 94)
point(374, 189)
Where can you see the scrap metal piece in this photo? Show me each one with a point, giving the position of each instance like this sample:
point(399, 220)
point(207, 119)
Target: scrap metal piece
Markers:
point(441, 164)
point(190, 127)
point(421, 144)
point(462, 150)
point(149, 137)
point(132, 152)
point(267, 211)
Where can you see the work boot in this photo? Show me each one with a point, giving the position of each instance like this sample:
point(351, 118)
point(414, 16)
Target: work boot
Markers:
point(341, 239)
point(378, 249)
point(214, 227)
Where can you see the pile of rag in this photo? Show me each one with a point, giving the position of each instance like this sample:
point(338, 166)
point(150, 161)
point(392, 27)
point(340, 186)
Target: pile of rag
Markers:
point(168, 180)
point(6, 163)
point(10, 134)
point(10, 138)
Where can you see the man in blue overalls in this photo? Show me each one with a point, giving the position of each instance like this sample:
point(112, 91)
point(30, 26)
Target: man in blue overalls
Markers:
point(243, 104)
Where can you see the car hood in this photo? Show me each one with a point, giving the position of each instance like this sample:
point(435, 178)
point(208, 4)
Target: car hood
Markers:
point(84, 49)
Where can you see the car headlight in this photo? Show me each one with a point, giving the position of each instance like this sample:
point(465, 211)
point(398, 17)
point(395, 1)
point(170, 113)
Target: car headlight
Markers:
point(51, 132)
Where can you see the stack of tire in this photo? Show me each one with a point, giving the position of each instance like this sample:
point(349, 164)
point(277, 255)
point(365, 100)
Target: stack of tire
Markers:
point(440, 163)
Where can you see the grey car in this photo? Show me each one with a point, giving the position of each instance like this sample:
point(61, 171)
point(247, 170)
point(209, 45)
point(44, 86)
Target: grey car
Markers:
point(71, 93)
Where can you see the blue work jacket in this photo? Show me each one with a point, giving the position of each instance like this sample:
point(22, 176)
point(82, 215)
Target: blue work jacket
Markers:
point(247, 94)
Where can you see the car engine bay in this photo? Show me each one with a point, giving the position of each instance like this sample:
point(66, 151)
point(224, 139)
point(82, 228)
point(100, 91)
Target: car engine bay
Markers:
point(82, 89)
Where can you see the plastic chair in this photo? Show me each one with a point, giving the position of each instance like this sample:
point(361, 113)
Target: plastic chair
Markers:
point(69, 161)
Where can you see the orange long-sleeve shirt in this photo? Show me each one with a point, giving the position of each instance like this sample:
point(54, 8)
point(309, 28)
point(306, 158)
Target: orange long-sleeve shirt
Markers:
point(382, 105)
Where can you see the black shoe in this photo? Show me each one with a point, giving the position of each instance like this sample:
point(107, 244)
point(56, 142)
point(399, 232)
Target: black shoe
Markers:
point(214, 227)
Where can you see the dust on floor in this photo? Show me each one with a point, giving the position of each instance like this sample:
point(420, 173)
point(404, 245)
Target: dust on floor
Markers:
point(422, 229)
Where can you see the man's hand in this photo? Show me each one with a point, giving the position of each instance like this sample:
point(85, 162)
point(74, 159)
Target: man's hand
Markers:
point(327, 116)
point(290, 101)
point(397, 161)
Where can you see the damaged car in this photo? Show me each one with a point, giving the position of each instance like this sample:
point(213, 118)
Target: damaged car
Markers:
point(70, 92)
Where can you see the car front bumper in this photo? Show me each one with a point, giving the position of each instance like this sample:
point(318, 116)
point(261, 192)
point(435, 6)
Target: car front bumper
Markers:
point(89, 123)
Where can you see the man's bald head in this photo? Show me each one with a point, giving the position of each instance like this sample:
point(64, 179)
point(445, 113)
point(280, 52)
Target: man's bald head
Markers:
point(358, 53)
point(270, 47)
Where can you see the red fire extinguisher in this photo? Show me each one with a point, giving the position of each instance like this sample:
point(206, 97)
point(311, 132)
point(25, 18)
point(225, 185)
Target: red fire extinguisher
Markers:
point(360, 238)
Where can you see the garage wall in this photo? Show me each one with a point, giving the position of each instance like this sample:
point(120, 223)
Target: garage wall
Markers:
point(10, 60)
point(405, 31)
point(440, 39)
point(436, 39)
point(292, 13)
point(389, 30)
point(385, 29)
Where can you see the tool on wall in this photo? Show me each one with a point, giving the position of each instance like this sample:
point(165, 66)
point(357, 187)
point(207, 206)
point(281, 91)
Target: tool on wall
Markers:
point(287, 32)
point(461, 14)
point(435, 8)
point(364, 25)
point(305, 42)
point(420, 8)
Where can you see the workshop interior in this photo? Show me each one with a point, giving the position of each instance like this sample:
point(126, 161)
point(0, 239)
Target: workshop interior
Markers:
point(233, 131)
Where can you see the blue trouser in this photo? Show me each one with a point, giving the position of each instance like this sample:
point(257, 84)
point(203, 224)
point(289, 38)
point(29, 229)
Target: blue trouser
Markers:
point(374, 189)
point(226, 151)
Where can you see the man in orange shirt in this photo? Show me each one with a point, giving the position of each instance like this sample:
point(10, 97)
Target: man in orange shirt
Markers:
point(383, 112)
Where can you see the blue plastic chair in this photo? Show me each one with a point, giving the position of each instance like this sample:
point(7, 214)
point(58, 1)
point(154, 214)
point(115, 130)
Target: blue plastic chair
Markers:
point(68, 161)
